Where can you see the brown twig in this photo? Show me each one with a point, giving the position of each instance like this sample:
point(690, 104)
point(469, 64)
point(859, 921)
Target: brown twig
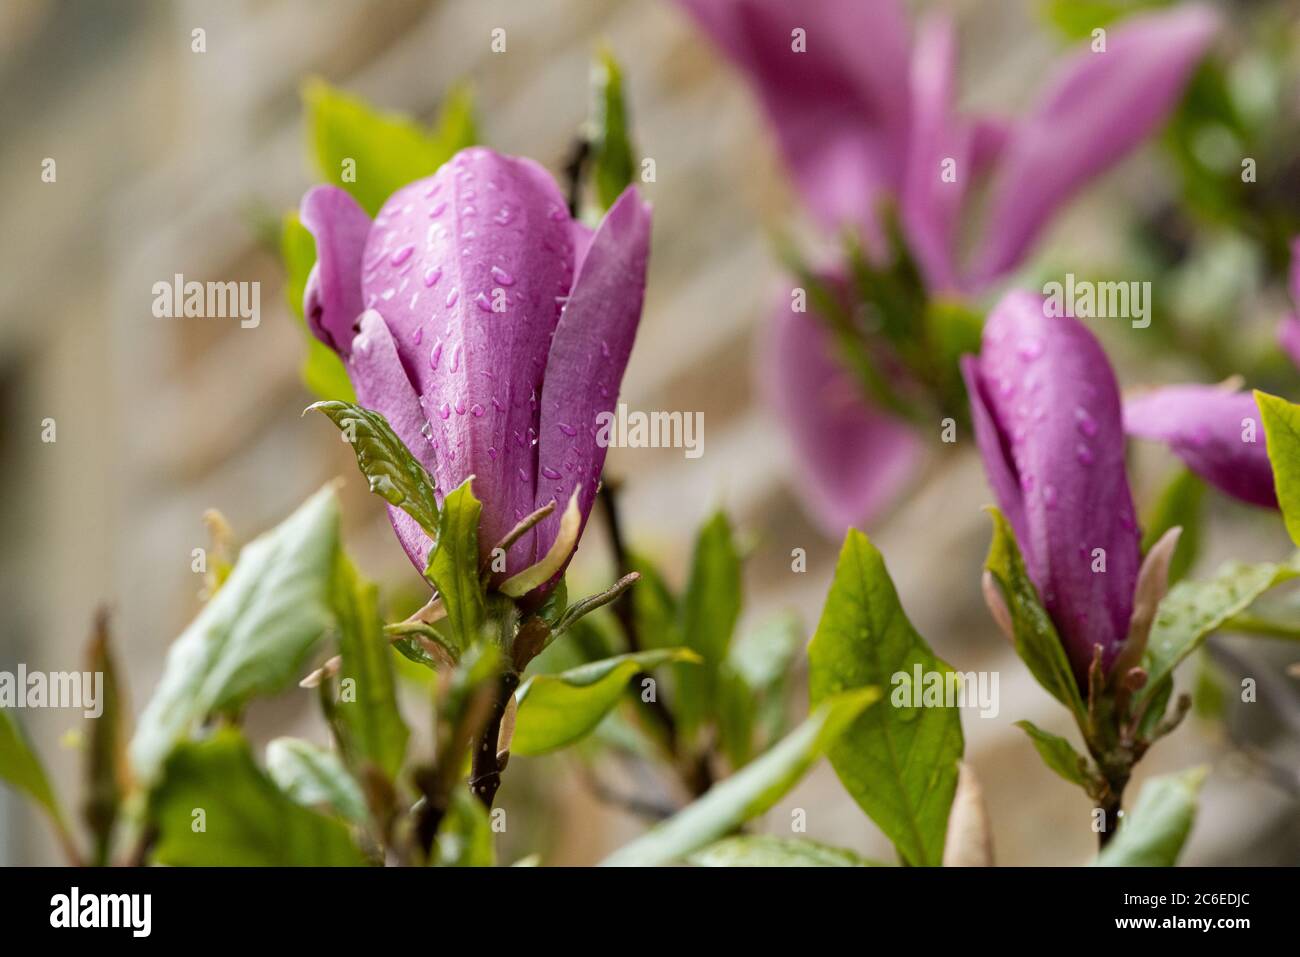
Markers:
point(488, 763)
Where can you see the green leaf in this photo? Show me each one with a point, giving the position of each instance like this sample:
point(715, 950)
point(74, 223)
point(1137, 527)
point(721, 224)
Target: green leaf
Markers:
point(1036, 640)
point(1194, 609)
point(465, 834)
point(453, 565)
point(322, 370)
point(388, 150)
point(1076, 19)
point(612, 164)
point(709, 612)
point(750, 791)
point(898, 762)
point(314, 777)
point(1282, 436)
point(760, 850)
point(1153, 833)
point(654, 608)
point(556, 710)
point(213, 807)
point(1179, 504)
point(22, 770)
point(751, 706)
point(253, 637)
point(1058, 754)
point(370, 723)
point(388, 465)
point(108, 774)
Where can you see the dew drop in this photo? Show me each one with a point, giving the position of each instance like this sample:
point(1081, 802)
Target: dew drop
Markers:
point(432, 275)
point(402, 255)
point(502, 277)
point(550, 473)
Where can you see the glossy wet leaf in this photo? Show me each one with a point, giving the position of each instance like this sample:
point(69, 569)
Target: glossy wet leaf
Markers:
point(392, 471)
point(453, 566)
point(254, 637)
point(213, 807)
point(370, 723)
point(1194, 609)
point(315, 777)
point(898, 761)
point(1153, 832)
point(750, 791)
point(1282, 435)
point(1036, 640)
point(1057, 753)
point(556, 710)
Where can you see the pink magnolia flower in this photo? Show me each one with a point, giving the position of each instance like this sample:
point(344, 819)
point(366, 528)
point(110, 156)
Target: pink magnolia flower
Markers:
point(867, 112)
point(1217, 431)
point(488, 327)
point(1046, 411)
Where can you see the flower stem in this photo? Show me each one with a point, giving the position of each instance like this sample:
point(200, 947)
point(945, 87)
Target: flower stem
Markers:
point(488, 762)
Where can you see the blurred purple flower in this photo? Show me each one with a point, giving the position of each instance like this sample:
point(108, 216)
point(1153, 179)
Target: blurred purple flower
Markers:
point(488, 327)
point(1046, 411)
point(866, 113)
point(1288, 332)
point(1216, 431)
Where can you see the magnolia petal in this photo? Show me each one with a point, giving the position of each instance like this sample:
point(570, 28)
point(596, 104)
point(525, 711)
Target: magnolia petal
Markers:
point(588, 355)
point(940, 150)
point(469, 267)
point(839, 109)
point(382, 386)
point(1218, 434)
point(557, 556)
point(1047, 420)
point(332, 299)
point(1099, 107)
point(853, 459)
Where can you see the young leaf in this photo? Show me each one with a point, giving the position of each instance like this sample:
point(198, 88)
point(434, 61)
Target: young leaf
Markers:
point(898, 762)
point(108, 775)
point(388, 465)
point(761, 850)
point(322, 370)
point(1058, 754)
point(1282, 438)
point(1194, 609)
point(1178, 505)
point(1037, 643)
point(253, 637)
point(453, 565)
point(751, 790)
point(465, 834)
point(213, 807)
point(1152, 834)
point(556, 710)
point(709, 612)
point(654, 609)
point(370, 723)
point(22, 770)
point(612, 162)
point(315, 777)
point(372, 154)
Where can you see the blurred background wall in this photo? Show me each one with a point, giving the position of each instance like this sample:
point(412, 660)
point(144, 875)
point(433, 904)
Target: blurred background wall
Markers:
point(170, 161)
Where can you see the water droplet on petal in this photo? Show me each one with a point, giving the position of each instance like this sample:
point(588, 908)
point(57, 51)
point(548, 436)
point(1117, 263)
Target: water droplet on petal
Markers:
point(1084, 455)
point(476, 410)
point(444, 410)
point(483, 302)
point(452, 297)
point(550, 473)
point(432, 275)
point(502, 277)
point(402, 255)
point(568, 430)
